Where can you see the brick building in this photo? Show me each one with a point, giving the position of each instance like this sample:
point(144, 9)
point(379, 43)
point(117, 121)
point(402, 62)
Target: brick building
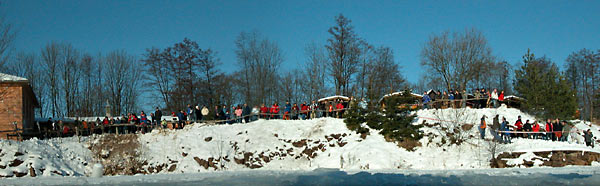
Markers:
point(17, 104)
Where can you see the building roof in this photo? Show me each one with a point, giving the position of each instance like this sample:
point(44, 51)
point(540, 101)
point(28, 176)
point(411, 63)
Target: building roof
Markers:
point(398, 94)
point(10, 78)
point(7, 78)
point(334, 98)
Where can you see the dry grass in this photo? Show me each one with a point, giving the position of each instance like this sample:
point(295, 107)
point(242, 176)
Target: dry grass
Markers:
point(118, 153)
point(409, 144)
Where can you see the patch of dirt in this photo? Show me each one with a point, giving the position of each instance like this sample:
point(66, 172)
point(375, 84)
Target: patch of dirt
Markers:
point(207, 139)
point(409, 144)
point(172, 167)
point(32, 172)
point(300, 143)
point(466, 127)
point(553, 159)
point(15, 163)
point(119, 154)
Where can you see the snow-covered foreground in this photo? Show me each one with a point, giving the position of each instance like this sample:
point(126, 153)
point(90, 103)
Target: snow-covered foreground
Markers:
point(277, 147)
point(510, 176)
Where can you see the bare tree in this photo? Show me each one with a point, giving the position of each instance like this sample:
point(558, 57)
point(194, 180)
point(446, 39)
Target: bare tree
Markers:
point(344, 54)
point(122, 84)
point(159, 79)
point(315, 72)
point(27, 65)
point(583, 72)
point(50, 58)
point(259, 60)
point(208, 68)
point(70, 73)
point(455, 58)
point(7, 36)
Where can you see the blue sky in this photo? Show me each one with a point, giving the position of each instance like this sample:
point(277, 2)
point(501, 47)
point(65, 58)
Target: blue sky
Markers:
point(551, 28)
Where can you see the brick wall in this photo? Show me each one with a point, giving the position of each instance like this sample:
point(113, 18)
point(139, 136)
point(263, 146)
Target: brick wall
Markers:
point(11, 107)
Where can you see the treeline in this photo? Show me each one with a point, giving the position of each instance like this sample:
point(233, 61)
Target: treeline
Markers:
point(70, 82)
point(464, 61)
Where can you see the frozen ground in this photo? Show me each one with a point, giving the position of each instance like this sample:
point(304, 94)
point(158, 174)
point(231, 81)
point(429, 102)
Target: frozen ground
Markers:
point(512, 176)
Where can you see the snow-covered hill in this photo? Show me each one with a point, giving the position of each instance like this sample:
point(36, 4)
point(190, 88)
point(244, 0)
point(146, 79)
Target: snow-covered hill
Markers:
point(288, 145)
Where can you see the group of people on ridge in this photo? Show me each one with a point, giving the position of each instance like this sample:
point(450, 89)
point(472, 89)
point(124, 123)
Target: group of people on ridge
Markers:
point(459, 99)
point(554, 130)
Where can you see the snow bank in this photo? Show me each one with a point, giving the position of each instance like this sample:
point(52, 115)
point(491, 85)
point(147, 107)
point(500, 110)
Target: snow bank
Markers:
point(60, 157)
point(451, 142)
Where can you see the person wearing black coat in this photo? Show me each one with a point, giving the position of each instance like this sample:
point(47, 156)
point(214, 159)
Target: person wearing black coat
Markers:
point(157, 115)
point(246, 113)
point(197, 113)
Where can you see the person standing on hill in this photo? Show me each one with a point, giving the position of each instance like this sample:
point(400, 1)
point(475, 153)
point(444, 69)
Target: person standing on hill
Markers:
point(588, 138)
point(204, 112)
point(504, 127)
point(426, 100)
point(295, 111)
point(197, 113)
point(527, 128)
point(303, 111)
point(549, 130)
point(158, 114)
point(255, 113)
point(287, 110)
point(181, 118)
point(246, 113)
point(558, 130)
point(495, 128)
point(340, 109)
point(566, 129)
point(189, 112)
point(477, 95)
point(535, 129)
point(264, 110)
point(519, 125)
point(482, 126)
point(444, 100)
point(314, 110)
point(275, 111)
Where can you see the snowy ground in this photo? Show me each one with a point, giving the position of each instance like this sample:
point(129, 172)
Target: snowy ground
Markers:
point(292, 149)
point(512, 176)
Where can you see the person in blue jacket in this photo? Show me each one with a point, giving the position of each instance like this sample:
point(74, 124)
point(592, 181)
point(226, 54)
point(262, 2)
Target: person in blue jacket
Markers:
point(426, 100)
point(287, 110)
point(181, 118)
point(504, 127)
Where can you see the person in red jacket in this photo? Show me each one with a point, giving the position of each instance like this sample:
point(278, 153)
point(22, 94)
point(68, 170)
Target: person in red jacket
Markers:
point(330, 110)
point(264, 110)
point(535, 128)
point(340, 109)
point(303, 111)
point(519, 125)
point(501, 96)
point(275, 111)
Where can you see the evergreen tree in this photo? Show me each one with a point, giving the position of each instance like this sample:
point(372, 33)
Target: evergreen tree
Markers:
point(546, 91)
point(394, 122)
point(397, 123)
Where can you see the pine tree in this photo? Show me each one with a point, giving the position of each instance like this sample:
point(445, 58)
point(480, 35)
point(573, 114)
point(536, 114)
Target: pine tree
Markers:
point(547, 92)
point(397, 124)
point(394, 122)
